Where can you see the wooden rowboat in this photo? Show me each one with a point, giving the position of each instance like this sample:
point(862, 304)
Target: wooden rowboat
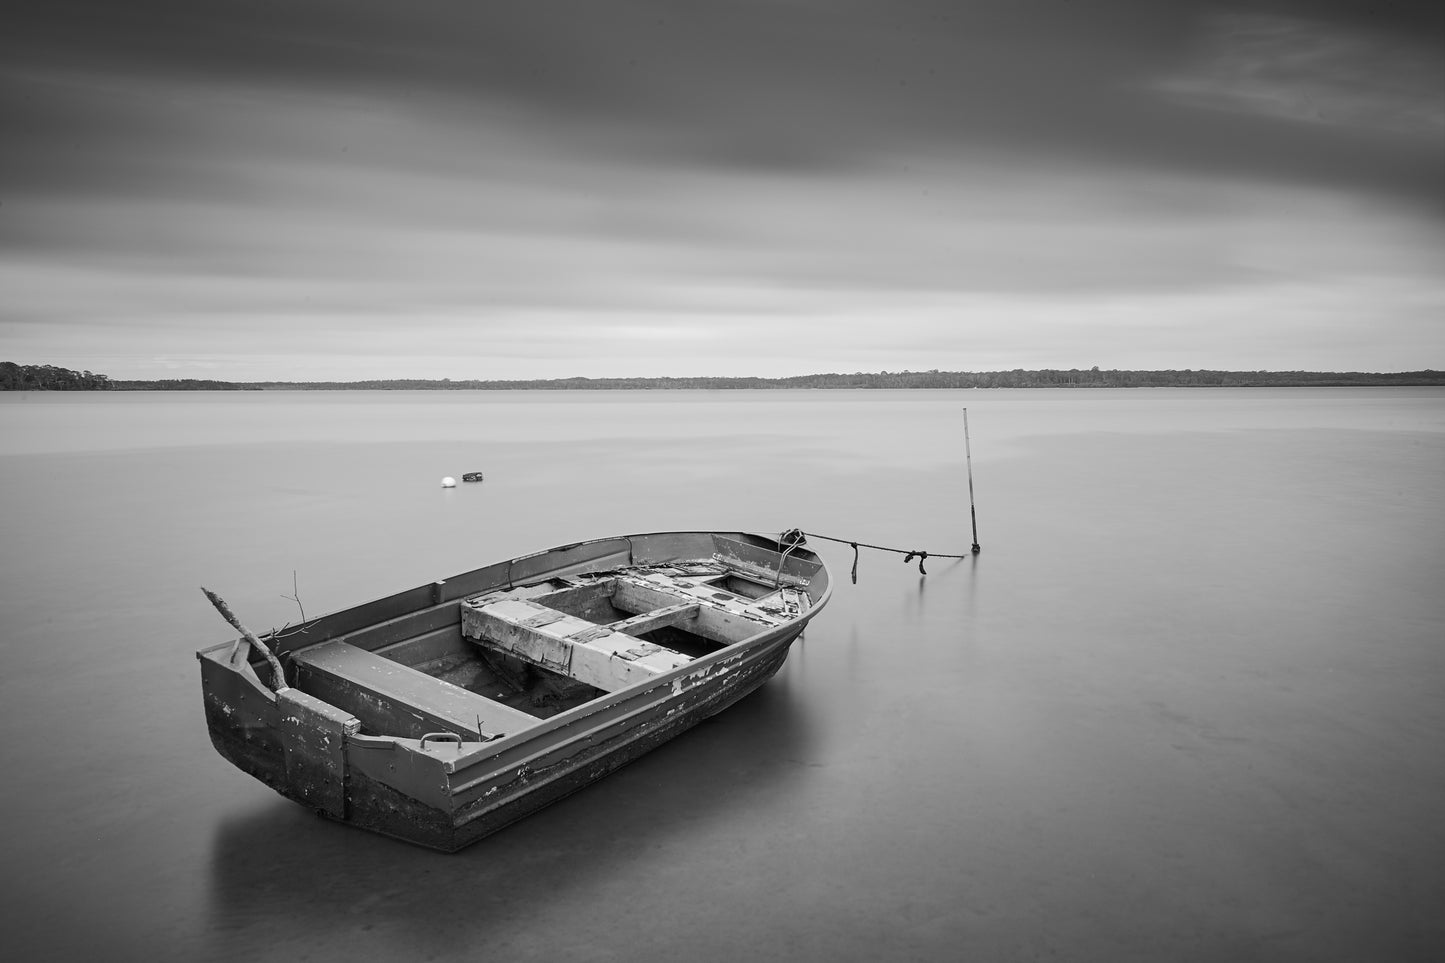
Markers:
point(442, 714)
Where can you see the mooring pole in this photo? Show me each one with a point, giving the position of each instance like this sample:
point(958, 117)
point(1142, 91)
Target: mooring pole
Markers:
point(968, 454)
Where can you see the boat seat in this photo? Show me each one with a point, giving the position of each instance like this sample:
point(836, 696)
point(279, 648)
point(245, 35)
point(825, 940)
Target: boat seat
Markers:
point(609, 657)
point(392, 699)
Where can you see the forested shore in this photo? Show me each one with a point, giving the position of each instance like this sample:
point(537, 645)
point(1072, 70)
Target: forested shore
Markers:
point(16, 377)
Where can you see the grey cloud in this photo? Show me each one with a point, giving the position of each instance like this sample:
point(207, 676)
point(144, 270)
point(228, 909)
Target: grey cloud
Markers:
point(746, 85)
point(1316, 73)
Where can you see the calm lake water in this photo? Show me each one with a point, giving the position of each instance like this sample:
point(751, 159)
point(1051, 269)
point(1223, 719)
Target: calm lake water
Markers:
point(1188, 704)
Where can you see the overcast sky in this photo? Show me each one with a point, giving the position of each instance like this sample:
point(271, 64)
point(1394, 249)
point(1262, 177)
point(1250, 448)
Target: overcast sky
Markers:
point(318, 190)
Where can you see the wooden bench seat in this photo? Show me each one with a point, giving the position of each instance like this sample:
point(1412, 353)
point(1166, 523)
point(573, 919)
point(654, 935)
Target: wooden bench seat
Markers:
point(605, 656)
point(392, 699)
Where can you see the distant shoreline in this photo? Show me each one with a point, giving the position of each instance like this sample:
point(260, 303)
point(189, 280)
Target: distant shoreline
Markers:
point(15, 377)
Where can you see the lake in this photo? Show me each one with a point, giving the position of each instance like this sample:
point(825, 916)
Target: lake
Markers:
point(1188, 703)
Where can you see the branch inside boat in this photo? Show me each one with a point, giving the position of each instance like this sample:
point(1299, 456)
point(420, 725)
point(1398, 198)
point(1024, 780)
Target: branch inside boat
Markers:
point(280, 676)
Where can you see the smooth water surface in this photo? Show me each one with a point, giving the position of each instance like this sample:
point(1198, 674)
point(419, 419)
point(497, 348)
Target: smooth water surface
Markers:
point(1188, 703)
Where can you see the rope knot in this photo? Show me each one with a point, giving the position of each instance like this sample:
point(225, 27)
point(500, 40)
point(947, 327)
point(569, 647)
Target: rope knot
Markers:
point(793, 538)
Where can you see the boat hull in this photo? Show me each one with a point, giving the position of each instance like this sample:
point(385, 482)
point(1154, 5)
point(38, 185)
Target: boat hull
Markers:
point(446, 793)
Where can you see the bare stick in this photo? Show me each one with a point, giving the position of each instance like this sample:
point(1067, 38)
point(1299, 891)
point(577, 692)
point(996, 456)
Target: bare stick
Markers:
point(295, 596)
point(968, 453)
point(249, 636)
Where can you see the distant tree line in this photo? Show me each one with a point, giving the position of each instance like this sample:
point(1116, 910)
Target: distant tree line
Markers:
point(185, 384)
point(1017, 378)
point(44, 377)
point(48, 378)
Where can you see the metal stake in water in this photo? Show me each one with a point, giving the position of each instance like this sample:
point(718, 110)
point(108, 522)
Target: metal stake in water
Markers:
point(968, 454)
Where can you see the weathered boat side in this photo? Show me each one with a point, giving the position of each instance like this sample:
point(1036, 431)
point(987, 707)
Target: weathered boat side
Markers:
point(448, 788)
point(468, 809)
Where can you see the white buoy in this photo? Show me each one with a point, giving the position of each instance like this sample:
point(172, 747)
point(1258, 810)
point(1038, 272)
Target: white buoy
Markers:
point(449, 482)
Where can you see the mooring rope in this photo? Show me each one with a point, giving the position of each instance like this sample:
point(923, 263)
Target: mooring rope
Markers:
point(908, 555)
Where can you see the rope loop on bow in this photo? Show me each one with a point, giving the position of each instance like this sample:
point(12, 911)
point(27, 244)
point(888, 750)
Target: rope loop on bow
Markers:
point(793, 538)
point(790, 541)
